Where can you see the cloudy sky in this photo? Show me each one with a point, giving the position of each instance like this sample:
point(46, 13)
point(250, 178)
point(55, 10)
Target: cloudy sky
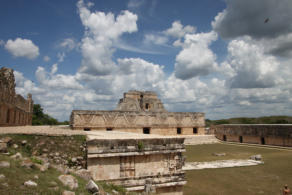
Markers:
point(225, 58)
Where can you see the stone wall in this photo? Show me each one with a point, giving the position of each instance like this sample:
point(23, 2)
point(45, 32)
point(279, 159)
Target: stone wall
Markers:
point(138, 164)
point(163, 123)
point(14, 109)
point(276, 134)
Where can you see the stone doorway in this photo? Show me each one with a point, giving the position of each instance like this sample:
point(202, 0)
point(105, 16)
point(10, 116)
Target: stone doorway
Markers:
point(263, 142)
point(178, 130)
point(240, 139)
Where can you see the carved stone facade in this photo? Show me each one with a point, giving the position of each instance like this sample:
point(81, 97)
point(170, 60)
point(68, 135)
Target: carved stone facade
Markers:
point(273, 134)
point(152, 165)
point(14, 109)
point(140, 112)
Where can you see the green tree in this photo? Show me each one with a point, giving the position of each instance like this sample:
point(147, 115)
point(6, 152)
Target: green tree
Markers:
point(40, 118)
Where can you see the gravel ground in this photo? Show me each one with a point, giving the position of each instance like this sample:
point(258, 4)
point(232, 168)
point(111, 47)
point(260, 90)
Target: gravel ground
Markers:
point(65, 130)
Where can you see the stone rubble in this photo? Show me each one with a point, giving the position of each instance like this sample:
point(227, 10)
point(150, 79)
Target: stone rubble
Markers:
point(30, 183)
point(27, 163)
point(69, 180)
point(16, 156)
point(219, 154)
point(257, 157)
point(68, 193)
point(92, 187)
point(4, 164)
point(84, 173)
point(2, 176)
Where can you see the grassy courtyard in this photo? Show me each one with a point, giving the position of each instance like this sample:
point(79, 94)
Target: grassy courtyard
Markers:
point(261, 179)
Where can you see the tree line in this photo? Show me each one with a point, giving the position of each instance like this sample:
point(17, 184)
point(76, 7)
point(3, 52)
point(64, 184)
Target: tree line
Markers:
point(40, 118)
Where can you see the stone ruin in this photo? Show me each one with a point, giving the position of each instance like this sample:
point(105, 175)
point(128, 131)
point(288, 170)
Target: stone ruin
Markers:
point(140, 112)
point(14, 109)
point(140, 163)
point(264, 134)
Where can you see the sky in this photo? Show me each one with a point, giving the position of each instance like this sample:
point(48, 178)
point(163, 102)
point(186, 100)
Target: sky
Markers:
point(226, 58)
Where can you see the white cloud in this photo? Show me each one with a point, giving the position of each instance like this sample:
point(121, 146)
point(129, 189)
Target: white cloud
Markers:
point(155, 39)
point(54, 69)
point(101, 31)
point(134, 4)
point(68, 44)
point(52, 80)
point(61, 56)
point(252, 68)
point(177, 30)
point(196, 58)
point(46, 58)
point(22, 48)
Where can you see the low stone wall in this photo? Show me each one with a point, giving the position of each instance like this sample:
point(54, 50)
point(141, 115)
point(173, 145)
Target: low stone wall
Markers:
point(200, 139)
point(275, 134)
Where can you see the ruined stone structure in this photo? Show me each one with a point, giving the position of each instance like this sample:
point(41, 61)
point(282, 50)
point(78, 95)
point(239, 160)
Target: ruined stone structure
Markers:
point(14, 109)
point(269, 134)
point(140, 112)
point(139, 163)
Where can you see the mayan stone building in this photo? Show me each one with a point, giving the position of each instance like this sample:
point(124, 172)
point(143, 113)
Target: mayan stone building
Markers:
point(265, 134)
point(14, 109)
point(140, 112)
point(140, 163)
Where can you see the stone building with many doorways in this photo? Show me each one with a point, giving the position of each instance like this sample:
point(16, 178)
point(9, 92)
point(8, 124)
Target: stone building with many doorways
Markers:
point(264, 134)
point(14, 109)
point(140, 112)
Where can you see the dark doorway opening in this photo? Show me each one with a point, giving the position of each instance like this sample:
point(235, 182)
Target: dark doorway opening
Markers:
point(8, 116)
point(224, 138)
point(263, 142)
point(86, 129)
point(195, 130)
point(178, 130)
point(240, 139)
point(146, 106)
point(109, 128)
point(146, 130)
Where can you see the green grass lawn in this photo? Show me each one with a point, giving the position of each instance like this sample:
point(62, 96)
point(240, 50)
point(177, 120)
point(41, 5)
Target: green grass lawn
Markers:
point(265, 179)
